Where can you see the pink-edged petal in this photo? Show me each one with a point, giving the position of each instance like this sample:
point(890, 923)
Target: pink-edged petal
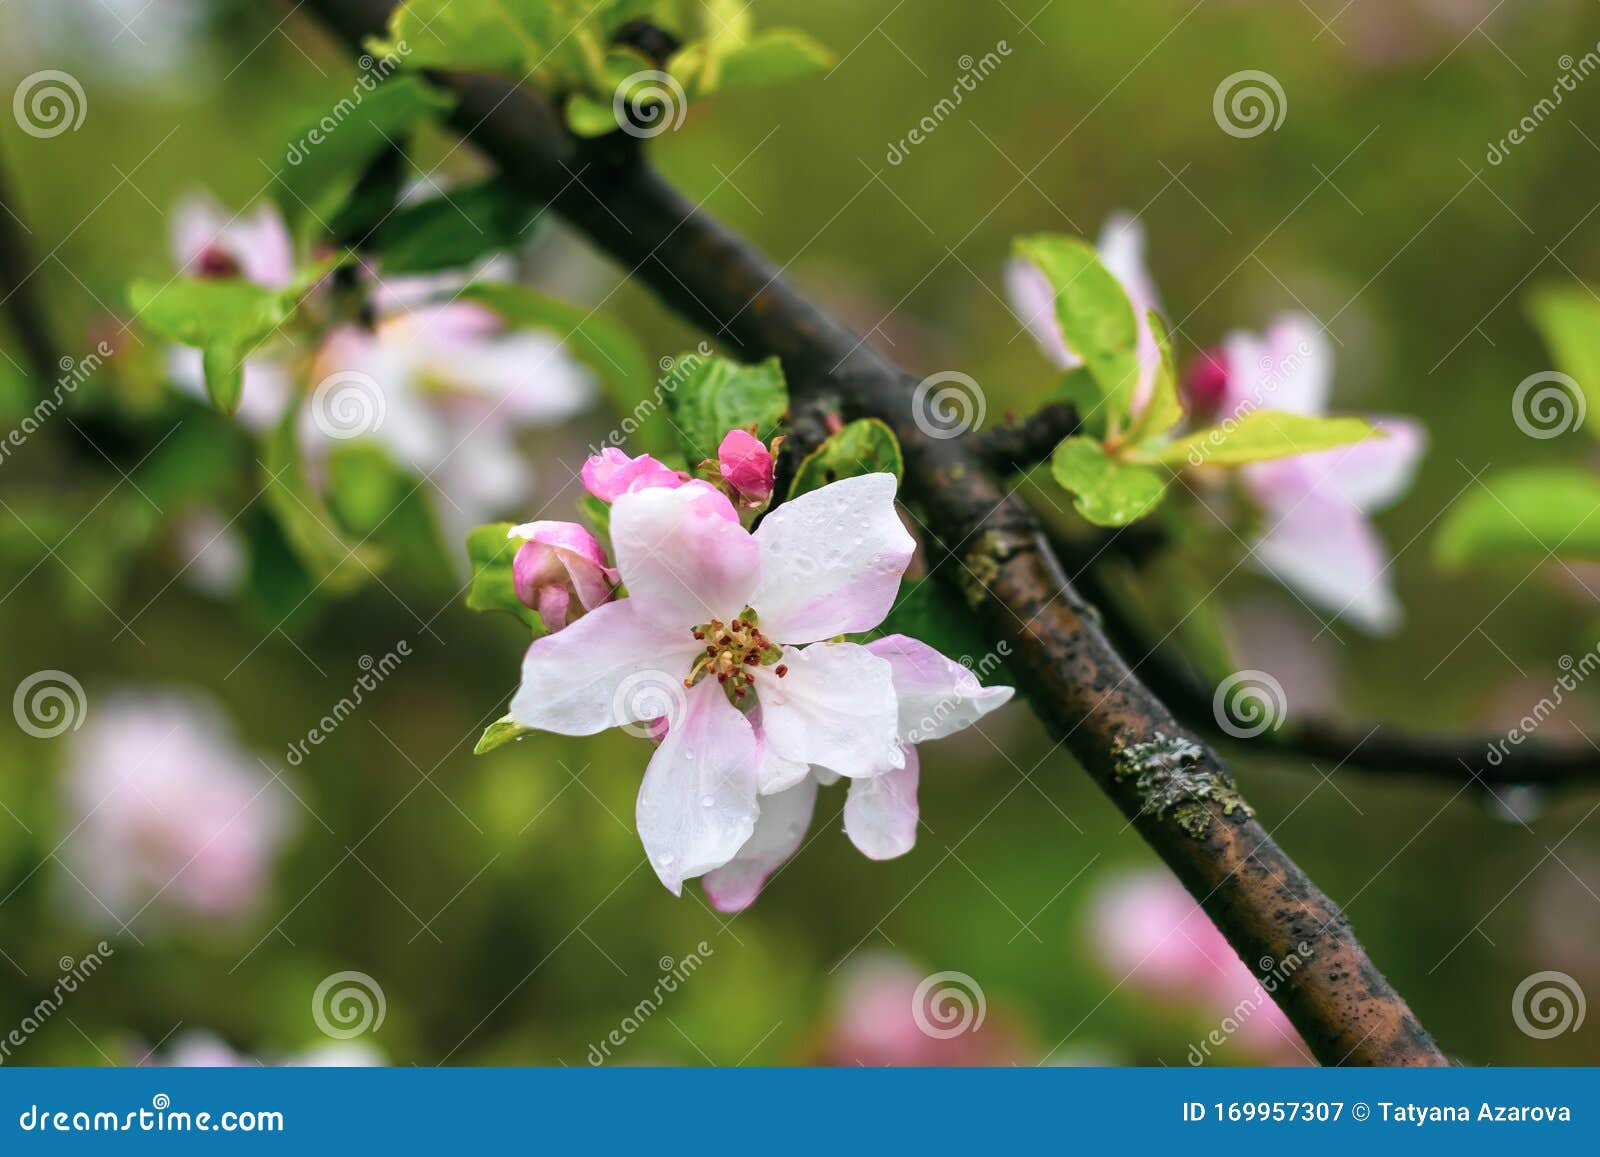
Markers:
point(775, 773)
point(697, 804)
point(611, 667)
point(1289, 368)
point(937, 696)
point(552, 604)
point(880, 814)
point(1328, 552)
point(780, 831)
point(1034, 303)
point(834, 706)
point(1372, 473)
point(831, 560)
point(683, 563)
point(610, 474)
point(746, 466)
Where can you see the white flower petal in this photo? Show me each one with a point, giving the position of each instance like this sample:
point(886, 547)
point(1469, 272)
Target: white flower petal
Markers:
point(682, 562)
point(880, 814)
point(613, 666)
point(780, 831)
point(1328, 552)
point(834, 706)
point(697, 804)
point(831, 561)
point(937, 696)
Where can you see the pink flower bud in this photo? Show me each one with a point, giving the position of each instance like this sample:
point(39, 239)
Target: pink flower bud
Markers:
point(560, 571)
point(746, 467)
point(610, 474)
point(1205, 381)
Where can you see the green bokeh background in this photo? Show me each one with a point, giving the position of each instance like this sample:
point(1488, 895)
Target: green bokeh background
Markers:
point(503, 901)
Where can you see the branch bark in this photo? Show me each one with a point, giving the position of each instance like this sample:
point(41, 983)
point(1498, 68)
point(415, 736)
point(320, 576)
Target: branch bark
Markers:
point(1173, 789)
point(17, 270)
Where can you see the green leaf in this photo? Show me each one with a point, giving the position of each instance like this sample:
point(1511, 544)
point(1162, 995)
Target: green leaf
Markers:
point(471, 35)
point(777, 56)
point(1094, 313)
point(490, 552)
point(1534, 512)
point(308, 525)
point(499, 733)
point(1078, 388)
point(1163, 411)
point(364, 484)
point(1105, 491)
point(865, 446)
point(1568, 317)
point(1257, 436)
point(454, 230)
point(717, 395)
point(598, 514)
point(599, 342)
point(225, 318)
point(326, 158)
point(591, 117)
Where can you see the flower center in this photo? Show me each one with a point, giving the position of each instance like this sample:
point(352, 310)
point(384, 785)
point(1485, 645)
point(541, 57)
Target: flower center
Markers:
point(733, 651)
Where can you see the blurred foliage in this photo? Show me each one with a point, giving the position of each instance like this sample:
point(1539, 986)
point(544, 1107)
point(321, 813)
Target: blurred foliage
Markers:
point(503, 901)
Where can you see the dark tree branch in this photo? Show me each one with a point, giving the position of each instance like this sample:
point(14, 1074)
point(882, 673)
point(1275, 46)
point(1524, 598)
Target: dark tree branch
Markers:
point(1383, 749)
point(17, 270)
point(1174, 790)
point(1023, 443)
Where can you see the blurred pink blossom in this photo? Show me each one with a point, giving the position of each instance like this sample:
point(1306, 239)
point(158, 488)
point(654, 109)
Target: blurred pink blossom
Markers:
point(199, 1049)
point(1151, 935)
point(163, 808)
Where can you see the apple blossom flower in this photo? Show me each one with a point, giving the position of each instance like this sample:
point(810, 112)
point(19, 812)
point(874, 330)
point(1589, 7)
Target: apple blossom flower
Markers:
point(444, 389)
point(163, 807)
point(1121, 247)
point(747, 468)
point(610, 474)
point(717, 619)
point(936, 697)
point(1318, 540)
point(560, 571)
point(1149, 933)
